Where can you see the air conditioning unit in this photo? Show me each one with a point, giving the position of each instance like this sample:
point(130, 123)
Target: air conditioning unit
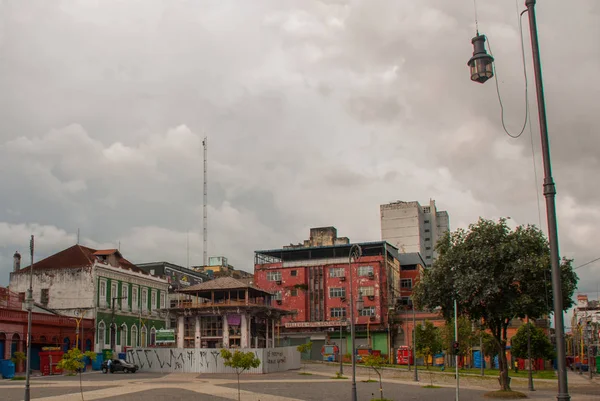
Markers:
point(371, 276)
point(371, 297)
point(372, 318)
point(343, 299)
point(278, 282)
point(279, 302)
point(343, 278)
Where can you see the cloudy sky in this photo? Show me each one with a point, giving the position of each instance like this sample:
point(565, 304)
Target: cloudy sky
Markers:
point(316, 112)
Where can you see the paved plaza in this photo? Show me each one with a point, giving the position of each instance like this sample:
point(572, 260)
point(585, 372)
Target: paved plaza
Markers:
point(286, 386)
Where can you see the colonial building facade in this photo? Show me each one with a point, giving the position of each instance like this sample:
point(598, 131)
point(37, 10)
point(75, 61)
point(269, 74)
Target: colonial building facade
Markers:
point(127, 304)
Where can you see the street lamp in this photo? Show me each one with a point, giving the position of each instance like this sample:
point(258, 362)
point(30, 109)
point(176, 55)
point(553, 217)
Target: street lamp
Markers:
point(549, 194)
point(356, 252)
point(481, 64)
point(29, 305)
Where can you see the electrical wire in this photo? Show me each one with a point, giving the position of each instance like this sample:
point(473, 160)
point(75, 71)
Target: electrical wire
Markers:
point(526, 83)
point(587, 263)
point(476, 21)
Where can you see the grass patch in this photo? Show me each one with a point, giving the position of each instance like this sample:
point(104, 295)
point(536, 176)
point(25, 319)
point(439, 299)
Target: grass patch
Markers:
point(370, 381)
point(381, 399)
point(18, 378)
point(305, 374)
point(505, 395)
point(540, 374)
point(431, 386)
point(339, 377)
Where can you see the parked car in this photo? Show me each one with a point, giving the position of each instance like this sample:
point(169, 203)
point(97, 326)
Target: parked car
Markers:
point(119, 365)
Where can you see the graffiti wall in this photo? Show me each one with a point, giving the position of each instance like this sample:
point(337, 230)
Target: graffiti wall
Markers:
point(208, 360)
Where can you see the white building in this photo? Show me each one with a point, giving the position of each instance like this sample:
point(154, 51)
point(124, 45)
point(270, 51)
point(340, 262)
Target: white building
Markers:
point(127, 304)
point(411, 227)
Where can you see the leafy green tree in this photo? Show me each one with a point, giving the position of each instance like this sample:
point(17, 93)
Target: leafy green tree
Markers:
point(541, 347)
point(240, 361)
point(429, 341)
point(73, 360)
point(466, 336)
point(495, 274)
point(304, 349)
point(18, 357)
point(376, 362)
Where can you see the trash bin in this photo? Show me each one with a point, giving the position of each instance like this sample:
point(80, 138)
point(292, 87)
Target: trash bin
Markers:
point(597, 363)
point(8, 369)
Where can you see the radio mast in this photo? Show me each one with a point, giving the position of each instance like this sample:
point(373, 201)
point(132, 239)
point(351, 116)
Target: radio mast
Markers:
point(205, 214)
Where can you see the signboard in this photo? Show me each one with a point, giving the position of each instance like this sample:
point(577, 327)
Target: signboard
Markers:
point(165, 336)
point(181, 280)
point(315, 324)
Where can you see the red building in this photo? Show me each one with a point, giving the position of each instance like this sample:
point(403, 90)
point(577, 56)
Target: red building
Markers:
point(48, 329)
point(313, 280)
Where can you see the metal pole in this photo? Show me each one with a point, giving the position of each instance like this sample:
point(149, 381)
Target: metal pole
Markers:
point(352, 328)
point(341, 353)
point(481, 355)
point(550, 194)
point(530, 375)
point(29, 316)
point(456, 339)
point(416, 377)
point(590, 338)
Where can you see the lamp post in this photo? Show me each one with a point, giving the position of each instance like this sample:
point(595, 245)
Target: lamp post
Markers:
point(530, 375)
point(29, 305)
point(341, 353)
point(356, 252)
point(416, 376)
point(480, 68)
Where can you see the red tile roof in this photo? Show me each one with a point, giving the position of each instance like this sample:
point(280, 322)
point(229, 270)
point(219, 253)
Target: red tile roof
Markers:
point(79, 256)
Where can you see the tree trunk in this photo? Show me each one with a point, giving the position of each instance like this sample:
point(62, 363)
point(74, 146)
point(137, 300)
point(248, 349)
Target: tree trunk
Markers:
point(380, 386)
point(503, 365)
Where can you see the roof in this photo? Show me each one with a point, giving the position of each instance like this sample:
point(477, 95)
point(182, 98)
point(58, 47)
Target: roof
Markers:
point(79, 256)
point(411, 258)
point(221, 283)
point(321, 252)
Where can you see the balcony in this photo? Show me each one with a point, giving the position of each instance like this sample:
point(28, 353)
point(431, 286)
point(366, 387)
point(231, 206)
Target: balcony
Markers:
point(207, 304)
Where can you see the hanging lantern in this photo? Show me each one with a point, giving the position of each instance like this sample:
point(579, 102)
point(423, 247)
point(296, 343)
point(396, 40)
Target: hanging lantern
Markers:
point(481, 64)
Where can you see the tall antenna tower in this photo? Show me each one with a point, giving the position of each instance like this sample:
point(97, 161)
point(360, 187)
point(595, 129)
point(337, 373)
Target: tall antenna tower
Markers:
point(205, 214)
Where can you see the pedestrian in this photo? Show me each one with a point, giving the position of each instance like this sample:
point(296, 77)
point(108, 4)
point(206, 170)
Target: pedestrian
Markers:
point(108, 365)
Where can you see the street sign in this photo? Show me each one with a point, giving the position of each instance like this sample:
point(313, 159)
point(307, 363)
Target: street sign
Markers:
point(165, 336)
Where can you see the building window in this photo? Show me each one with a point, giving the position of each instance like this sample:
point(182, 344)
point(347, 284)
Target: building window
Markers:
point(427, 247)
point(427, 239)
point(426, 221)
point(163, 300)
point(144, 337)
point(406, 283)
point(277, 296)
point(337, 272)
point(426, 230)
point(294, 273)
point(152, 300)
point(211, 326)
point(428, 257)
point(365, 270)
point(144, 299)
point(337, 292)
point(102, 294)
point(45, 297)
point(367, 311)
point(367, 291)
point(294, 293)
point(124, 335)
point(273, 276)
point(134, 336)
point(101, 334)
point(21, 297)
point(134, 298)
point(152, 337)
point(113, 292)
point(338, 313)
point(125, 296)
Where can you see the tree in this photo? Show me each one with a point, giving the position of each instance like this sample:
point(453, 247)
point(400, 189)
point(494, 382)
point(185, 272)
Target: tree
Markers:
point(495, 274)
point(303, 349)
point(73, 360)
point(428, 341)
point(376, 362)
point(240, 361)
point(541, 347)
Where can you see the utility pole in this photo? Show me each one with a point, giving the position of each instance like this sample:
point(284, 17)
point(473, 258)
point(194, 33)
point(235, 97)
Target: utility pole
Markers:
point(29, 316)
point(416, 377)
point(530, 375)
point(456, 339)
